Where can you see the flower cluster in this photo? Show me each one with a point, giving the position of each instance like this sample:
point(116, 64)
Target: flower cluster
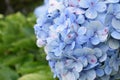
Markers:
point(81, 38)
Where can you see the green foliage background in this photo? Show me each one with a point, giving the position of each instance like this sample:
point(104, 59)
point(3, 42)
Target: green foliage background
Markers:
point(20, 58)
point(12, 6)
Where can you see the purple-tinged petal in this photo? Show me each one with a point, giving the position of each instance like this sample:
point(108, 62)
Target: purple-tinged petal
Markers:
point(103, 34)
point(92, 59)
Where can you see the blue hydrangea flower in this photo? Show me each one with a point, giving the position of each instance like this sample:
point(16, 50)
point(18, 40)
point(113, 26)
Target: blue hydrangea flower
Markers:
point(81, 38)
point(93, 7)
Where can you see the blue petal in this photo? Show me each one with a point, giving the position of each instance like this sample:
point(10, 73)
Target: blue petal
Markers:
point(82, 76)
point(42, 34)
point(84, 61)
point(40, 11)
point(73, 45)
point(90, 66)
point(116, 24)
point(82, 31)
point(103, 34)
point(73, 2)
point(112, 1)
point(80, 19)
point(100, 72)
point(103, 58)
point(95, 40)
point(118, 16)
point(114, 44)
point(60, 20)
point(76, 74)
point(105, 77)
point(101, 7)
point(108, 20)
point(91, 14)
point(83, 4)
point(91, 75)
point(108, 70)
point(98, 52)
point(58, 52)
point(81, 39)
point(78, 66)
point(72, 17)
point(116, 66)
point(69, 76)
point(115, 35)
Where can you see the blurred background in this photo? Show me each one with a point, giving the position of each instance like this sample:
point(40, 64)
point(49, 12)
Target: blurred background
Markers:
point(20, 58)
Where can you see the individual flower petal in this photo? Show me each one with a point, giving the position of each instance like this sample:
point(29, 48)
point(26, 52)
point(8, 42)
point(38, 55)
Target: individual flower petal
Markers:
point(108, 70)
point(91, 66)
point(106, 77)
point(83, 60)
point(101, 7)
point(100, 72)
point(91, 75)
point(69, 76)
point(80, 19)
point(95, 40)
point(118, 16)
point(83, 4)
point(108, 20)
point(41, 43)
point(116, 66)
point(59, 66)
point(115, 35)
point(78, 11)
point(112, 1)
point(98, 52)
point(78, 66)
point(57, 52)
point(103, 34)
point(91, 14)
point(114, 44)
point(82, 30)
point(103, 58)
point(92, 59)
point(82, 77)
point(73, 3)
point(116, 24)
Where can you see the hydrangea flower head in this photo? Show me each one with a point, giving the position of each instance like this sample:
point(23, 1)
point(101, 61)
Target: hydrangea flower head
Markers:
point(81, 38)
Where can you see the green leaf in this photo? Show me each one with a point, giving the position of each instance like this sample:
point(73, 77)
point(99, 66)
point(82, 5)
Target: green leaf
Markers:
point(36, 76)
point(7, 74)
